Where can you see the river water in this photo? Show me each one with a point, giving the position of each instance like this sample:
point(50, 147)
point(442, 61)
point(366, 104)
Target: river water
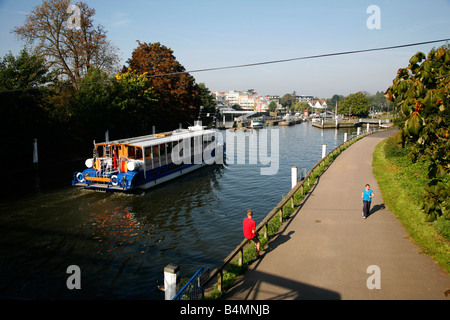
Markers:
point(122, 242)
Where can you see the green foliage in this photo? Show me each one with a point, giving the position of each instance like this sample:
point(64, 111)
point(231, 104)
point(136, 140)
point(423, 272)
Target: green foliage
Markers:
point(355, 104)
point(401, 183)
point(422, 96)
point(24, 84)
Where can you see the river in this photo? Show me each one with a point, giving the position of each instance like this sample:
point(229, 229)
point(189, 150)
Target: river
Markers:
point(122, 242)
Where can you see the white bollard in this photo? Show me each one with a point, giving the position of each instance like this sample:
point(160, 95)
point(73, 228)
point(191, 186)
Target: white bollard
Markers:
point(324, 150)
point(358, 131)
point(368, 127)
point(345, 136)
point(294, 176)
point(171, 279)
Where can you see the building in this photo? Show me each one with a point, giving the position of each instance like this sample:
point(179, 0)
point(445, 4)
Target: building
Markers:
point(318, 104)
point(245, 99)
point(304, 98)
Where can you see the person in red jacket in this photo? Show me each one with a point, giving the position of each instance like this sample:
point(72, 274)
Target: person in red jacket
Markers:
point(249, 228)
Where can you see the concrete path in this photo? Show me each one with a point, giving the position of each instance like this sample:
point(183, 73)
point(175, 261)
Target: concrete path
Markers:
point(325, 250)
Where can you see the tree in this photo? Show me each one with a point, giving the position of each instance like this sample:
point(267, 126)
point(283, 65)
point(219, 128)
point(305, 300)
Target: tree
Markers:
point(421, 92)
point(378, 101)
point(355, 104)
point(177, 92)
point(24, 84)
point(287, 100)
point(331, 103)
point(69, 51)
point(300, 106)
point(208, 104)
point(272, 106)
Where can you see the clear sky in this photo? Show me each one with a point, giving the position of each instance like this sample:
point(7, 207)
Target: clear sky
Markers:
point(210, 33)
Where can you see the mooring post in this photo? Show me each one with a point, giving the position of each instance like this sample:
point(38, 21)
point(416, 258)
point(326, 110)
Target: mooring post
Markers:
point(294, 176)
point(345, 137)
point(368, 127)
point(358, 131)
point(35, 152)
point(171, 279)
point(324, 150)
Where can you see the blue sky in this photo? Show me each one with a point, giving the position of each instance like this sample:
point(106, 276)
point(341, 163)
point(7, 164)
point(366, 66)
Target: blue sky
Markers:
point(210, 33)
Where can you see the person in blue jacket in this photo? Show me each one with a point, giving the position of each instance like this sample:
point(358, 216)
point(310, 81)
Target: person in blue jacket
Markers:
point(367, 195)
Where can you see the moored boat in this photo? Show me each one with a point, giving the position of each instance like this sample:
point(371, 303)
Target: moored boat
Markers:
point(257, 124)
point(147, 161)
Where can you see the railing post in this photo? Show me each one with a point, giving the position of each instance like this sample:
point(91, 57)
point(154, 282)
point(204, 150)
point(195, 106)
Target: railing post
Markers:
point(294, 177)
point(265, 231)
point(241, 257)
point(220, 280)
point(281, 215)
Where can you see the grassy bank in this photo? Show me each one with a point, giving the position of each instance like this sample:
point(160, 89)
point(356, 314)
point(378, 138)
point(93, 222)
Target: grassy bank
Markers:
point(402, 183)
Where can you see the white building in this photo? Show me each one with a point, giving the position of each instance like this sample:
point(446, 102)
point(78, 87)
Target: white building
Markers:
point(318, 104)
point(247, 100)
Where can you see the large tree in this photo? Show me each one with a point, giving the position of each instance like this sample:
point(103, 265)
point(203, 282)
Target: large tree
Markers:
point(355, 104)
point(71, 51)
point(24, 84)
point(421, 92)
point(177, 93)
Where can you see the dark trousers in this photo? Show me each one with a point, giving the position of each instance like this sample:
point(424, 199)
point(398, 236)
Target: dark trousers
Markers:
point(366, 208)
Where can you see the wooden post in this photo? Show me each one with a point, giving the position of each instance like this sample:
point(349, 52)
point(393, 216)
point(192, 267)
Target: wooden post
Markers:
point(219, 280)
point(281, 215)
point(266, 227)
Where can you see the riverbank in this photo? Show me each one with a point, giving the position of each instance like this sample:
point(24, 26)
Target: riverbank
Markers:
point(401, 183)
point(232, 270)
point(327, 251)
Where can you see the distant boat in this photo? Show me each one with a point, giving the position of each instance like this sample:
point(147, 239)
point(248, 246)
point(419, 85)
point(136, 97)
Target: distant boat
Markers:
point(288, 120)
point(257, 124)
point(147, 161)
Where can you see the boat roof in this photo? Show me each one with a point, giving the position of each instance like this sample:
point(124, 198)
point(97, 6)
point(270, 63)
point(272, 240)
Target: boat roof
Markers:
point(161, 138)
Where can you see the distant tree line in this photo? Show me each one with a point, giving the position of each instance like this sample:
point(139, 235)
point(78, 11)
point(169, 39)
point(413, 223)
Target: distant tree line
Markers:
point(358, 104)
point(66, 88)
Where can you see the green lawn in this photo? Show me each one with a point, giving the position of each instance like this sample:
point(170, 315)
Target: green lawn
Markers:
point(402, 183)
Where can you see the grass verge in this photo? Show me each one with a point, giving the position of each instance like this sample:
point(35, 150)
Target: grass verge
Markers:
point(402, 183)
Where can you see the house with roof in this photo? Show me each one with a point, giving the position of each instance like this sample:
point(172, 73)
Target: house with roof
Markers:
point(318, 104)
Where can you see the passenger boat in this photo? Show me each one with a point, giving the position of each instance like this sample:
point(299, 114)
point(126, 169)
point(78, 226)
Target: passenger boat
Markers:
point(147, 161)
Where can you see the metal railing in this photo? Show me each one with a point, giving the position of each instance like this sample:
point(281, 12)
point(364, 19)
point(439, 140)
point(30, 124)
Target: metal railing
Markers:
point(306, 183)
point(194, 289)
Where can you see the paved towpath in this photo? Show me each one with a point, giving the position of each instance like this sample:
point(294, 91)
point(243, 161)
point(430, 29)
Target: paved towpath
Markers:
point(325, 250)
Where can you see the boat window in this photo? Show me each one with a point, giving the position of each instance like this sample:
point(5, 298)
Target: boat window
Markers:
point(100, 152)
point(131, 152)
point(155, 151)
point(138, 154)
point(162, 150)
point(148, 152)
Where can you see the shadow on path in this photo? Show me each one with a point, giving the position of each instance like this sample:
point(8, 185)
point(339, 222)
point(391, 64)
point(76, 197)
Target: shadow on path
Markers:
point(291, 290)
